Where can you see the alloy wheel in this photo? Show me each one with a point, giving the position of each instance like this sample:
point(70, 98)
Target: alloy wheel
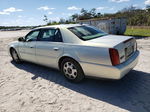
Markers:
point(70, 70)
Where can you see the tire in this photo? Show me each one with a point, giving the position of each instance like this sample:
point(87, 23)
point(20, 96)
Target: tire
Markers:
point(15, 56)
point(72, 70)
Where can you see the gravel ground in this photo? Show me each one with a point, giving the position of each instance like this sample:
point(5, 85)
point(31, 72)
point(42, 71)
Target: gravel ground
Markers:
point(32, 88)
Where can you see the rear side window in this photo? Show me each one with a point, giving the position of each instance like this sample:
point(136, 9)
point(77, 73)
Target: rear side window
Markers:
point(52, 35)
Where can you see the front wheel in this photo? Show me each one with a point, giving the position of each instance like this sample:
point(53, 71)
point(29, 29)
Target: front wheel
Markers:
point(15, 56)
point(72, 70)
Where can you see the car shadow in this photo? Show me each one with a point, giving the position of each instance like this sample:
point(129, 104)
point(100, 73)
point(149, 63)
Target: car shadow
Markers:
point(131, 92)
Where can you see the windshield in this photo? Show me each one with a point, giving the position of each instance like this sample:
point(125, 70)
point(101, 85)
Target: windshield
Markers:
point(87, 32)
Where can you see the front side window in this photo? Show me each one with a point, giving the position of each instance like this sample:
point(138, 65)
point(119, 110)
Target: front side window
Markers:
point(53, 35)
point(87, 32)
point(32, 36)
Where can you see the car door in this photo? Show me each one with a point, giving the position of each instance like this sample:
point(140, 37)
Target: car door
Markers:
point(27, 48)
point(49, 47)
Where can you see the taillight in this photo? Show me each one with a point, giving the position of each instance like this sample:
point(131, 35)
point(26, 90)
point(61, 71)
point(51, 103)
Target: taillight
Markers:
point(114, 56)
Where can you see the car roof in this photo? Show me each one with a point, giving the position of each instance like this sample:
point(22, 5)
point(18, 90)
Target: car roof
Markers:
point(59, 26)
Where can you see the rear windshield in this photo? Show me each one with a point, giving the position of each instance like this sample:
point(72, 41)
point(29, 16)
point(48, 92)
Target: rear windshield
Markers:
point(87, 32)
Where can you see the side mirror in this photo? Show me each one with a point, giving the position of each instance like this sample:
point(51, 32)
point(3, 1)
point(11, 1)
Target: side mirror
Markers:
point(21, 39)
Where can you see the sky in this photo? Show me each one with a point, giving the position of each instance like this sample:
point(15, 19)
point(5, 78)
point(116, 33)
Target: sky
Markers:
point(31, 12)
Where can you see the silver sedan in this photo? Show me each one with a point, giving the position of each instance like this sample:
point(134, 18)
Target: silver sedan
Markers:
point(77, 51)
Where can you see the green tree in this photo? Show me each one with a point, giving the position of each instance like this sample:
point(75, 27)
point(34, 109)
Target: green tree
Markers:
point(148, 8)
point(74, 17)
point(45, 19)
point(62, 21)
point(93, 12)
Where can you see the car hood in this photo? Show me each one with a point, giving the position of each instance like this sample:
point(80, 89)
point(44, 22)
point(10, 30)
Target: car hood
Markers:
point(109, 40)
point(14, 42)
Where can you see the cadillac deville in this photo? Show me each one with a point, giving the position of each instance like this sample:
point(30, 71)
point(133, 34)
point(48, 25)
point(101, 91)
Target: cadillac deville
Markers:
point(77, 51)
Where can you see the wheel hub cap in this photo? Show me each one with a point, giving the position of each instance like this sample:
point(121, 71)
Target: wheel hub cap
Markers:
point(70, 70)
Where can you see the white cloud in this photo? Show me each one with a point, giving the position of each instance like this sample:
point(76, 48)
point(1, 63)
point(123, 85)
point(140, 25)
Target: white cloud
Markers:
point(112, 8)
point(135, 5)
point(67, 14)
point(101, 8)
point(144, 8)
point(10, 10)
point(4, 13)
point(45, 8)
point(147, 2)
point(73, 8)
point(119, 1)
point(50, 13)
point(5, 24)
point(21, 22)
point(54, 19)
point(19, 16)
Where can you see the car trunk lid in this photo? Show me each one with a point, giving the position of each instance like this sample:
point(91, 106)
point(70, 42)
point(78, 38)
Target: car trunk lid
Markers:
point(125, 45)
point(110, 40)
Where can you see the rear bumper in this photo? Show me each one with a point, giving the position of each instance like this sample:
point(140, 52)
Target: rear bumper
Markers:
point(110, 72)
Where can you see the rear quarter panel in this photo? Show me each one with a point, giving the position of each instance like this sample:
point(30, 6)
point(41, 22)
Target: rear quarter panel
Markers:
point(88, 54)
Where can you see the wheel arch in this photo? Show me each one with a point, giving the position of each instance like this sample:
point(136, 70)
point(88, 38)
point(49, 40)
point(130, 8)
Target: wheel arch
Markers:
point(64, 57)
point(11, 48)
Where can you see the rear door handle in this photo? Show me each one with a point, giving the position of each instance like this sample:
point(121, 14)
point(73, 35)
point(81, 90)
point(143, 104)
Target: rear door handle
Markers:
point(56, 48)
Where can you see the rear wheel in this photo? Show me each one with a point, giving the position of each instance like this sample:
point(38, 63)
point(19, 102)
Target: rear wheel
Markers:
point(72, 70)
point(15, 56)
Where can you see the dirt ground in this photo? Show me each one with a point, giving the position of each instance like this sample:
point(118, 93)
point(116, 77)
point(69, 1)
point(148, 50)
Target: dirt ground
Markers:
point(32, 88)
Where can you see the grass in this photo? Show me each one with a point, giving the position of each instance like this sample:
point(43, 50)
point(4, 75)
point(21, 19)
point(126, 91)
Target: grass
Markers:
point(138, 32)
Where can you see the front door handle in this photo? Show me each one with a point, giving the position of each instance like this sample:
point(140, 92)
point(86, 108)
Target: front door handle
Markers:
point(56, 48)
